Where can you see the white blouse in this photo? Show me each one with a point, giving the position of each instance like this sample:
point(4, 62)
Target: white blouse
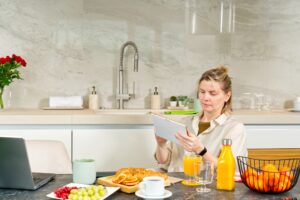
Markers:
point(225, 126)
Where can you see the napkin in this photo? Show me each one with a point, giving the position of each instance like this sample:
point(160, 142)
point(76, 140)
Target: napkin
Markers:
point(65, 101)
point(237, 177)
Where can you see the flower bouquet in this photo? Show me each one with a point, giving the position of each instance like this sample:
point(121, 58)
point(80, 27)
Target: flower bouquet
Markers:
point(9, 71)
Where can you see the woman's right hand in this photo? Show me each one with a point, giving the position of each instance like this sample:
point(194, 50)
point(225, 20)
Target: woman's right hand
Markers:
point(161, 153)
point(160, 141)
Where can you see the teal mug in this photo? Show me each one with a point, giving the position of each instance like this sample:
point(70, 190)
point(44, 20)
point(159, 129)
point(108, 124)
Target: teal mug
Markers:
point(84, 171)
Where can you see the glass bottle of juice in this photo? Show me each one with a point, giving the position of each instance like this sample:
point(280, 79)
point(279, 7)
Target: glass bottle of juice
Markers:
point(226, 167)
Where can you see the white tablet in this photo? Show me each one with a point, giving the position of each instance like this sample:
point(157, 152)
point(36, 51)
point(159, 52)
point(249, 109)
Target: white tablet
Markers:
point(167, 128)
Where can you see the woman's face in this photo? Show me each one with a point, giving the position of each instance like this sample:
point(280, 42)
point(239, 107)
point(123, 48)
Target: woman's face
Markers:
point(211, 96)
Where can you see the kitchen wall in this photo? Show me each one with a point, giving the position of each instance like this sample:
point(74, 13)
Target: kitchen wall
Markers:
point(71, 45)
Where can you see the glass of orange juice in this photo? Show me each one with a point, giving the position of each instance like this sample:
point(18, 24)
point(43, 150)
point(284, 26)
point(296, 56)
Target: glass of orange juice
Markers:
point(189, 163)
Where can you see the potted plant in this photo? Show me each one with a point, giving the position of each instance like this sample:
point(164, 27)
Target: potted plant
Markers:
point(173, 101)
point(182, 101)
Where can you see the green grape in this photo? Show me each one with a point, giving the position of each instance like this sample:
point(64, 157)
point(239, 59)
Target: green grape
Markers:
point(84, 193)
point(97, 196)
point(100, 187)
point(75, 197)
point(101, 193)
point(87, 193)
point(74, 191)
point(91, 192)
point(80, 191)
point(88, 188)
point(80, 197)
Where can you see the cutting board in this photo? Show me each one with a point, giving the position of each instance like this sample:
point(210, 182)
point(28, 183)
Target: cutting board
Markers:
point(107, 181)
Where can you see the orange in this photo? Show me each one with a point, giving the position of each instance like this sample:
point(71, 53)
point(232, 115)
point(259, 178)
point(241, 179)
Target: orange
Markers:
point(269, 168)
point(250, 181)
point(284, 183)
point(284, 170)
point(278, 188)
point(271, 175)
point(250, 172)
point(259, 184)
point(262, 185)
point(273, 178)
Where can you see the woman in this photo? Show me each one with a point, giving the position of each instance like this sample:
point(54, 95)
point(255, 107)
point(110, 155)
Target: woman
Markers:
point(205, 132)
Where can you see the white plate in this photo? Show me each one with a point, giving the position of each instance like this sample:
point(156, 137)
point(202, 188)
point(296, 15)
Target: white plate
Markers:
point(63, 108)
point(140, 194)
point(110, 190)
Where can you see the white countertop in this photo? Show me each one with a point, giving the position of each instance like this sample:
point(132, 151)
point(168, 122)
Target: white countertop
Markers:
point(127, 116)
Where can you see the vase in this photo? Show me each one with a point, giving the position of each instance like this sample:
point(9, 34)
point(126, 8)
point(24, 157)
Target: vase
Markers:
point(1, 97)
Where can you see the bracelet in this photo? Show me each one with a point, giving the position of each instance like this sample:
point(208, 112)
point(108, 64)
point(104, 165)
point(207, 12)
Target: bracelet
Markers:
point(202, 152)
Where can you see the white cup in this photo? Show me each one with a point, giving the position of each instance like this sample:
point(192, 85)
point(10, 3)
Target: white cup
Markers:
point(152, 186)
point(84, 171)
point(297, 104)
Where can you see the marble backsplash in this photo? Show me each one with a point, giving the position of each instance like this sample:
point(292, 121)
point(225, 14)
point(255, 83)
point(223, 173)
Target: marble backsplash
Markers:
point(72, 45)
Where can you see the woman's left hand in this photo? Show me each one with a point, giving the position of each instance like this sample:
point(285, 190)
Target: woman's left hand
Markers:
point(189, 141)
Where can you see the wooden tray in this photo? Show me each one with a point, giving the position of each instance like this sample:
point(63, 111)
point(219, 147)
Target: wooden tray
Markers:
point(107, 181)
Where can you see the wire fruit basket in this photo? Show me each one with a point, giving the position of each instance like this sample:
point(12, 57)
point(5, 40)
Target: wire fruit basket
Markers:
point(269, 176)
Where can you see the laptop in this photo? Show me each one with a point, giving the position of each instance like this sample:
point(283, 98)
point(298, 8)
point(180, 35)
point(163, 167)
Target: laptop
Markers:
point(15, 170)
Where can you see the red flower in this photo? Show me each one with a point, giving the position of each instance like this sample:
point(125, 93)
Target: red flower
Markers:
point(8, 59)
point(23, 63)
point(19, 59)
point(2, 60)
point(14, 57)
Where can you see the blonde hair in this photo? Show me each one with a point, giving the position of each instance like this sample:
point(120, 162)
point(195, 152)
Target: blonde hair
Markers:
point(220, 74)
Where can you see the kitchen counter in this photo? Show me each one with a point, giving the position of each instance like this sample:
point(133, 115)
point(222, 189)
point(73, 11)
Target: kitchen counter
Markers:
point(179, 192)
point(137, 116)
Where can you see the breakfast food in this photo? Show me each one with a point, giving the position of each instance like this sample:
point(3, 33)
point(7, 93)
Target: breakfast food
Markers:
point(133, 176)
point(64, 192)
point(75, 193)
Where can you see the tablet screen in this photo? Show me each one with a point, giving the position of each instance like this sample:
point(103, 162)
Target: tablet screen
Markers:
point(167, 128)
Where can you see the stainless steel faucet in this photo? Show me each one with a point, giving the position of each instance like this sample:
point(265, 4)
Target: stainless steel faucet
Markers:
point(121, 96)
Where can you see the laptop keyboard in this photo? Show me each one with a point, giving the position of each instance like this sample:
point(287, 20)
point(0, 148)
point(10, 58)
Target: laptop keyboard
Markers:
point(37, 179)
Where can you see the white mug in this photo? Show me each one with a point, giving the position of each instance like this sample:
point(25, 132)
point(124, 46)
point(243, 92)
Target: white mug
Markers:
point(297, 104)
point(84, 171)
point(152, 186)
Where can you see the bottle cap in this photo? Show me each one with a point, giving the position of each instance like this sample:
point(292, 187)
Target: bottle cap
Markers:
point(155, 91)
point(226, 141)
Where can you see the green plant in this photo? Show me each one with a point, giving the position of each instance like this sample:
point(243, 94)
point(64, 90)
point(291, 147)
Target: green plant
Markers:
point(173, 98)
point(190, 100)
point(182, 98)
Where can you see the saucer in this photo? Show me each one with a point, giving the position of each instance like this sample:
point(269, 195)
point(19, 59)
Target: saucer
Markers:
point(140, 194)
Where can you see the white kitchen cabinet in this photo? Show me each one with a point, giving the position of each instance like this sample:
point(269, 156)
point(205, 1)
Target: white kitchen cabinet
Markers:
point(115, 148)
point(273, 136)
point(63, 135)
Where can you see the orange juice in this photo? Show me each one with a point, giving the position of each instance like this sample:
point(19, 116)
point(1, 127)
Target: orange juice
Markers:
point(189, 166)
point(226, 167)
